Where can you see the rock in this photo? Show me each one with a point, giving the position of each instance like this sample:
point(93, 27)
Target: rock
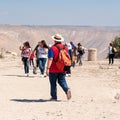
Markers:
point(12, 53)
point(117, 96)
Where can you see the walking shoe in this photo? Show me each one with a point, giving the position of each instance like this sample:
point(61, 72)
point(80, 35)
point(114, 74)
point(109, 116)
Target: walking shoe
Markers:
point(25, 74)
point(66, 75)
point(52, 99)
point(42, 76)
point(69, 75)
point(68, 94)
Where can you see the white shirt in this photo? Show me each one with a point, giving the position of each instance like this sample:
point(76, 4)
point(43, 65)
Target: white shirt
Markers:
point(69, 46)
point(42, 52)
point(110, 50)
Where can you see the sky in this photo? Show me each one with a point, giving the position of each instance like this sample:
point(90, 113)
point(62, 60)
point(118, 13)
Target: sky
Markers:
point(60, 12)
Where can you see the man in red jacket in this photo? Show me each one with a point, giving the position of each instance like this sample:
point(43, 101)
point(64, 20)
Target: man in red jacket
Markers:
point(54, 73)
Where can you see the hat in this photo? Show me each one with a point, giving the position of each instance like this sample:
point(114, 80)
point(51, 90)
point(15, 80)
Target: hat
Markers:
point(58, 38)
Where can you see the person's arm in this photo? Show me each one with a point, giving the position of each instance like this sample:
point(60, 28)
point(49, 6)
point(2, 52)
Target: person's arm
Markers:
point(48, 65)
point(21, 48)
point(50, 59)
point(35, 49)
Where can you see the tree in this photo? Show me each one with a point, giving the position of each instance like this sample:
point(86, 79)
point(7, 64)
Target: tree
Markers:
point(116, 44)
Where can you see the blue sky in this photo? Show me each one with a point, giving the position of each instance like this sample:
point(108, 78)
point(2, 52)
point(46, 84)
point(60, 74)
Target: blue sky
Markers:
point(60, 12)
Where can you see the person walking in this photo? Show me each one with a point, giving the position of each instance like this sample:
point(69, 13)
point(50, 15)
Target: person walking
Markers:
point(56, 75)
point(32, 59)
point(111, 54)
point(26, 51)
point(35, 51)
point(68, 72)
point(81, 52)
point(42, 57)
point(73, 54)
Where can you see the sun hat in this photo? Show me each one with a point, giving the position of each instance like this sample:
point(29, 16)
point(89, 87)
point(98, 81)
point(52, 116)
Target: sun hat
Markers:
point(58, 38)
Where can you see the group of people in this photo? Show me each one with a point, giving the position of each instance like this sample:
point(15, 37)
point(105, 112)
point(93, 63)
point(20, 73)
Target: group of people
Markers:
point(44, 53)
point(28, 55)
point(40, 52)
point(49, 54)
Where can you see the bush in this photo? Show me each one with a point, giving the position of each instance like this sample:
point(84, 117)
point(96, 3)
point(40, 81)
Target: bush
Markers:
point(116, 44)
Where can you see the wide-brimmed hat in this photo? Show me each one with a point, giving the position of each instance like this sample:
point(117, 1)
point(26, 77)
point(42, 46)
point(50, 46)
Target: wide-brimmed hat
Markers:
point(58, 38)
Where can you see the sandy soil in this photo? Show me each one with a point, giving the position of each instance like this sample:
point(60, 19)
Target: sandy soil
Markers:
point(95, 90)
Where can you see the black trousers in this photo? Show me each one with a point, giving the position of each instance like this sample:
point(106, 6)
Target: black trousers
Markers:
point(111, 58)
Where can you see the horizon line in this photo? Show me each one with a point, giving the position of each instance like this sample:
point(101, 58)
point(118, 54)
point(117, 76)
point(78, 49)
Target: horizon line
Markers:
point(59, 25)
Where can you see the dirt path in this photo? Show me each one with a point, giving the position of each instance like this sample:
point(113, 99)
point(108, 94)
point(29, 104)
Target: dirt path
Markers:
point(94, 86)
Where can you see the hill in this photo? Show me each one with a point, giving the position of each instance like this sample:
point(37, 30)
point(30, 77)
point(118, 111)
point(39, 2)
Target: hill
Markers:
point(12, 36)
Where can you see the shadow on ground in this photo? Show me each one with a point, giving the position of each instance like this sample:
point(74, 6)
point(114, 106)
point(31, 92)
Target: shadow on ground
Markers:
point(19, 76)
point(31, 100)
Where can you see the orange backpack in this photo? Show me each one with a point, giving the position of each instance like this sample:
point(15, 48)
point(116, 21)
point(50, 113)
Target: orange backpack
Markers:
point(63, 61)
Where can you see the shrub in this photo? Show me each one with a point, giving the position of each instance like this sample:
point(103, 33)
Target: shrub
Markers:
point(116, 44)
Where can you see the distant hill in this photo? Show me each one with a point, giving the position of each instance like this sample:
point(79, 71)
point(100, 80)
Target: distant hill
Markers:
point(12, 36)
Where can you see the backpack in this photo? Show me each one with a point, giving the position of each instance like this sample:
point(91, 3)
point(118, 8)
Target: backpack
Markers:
point(63, 61)
point(114, 50)
point(81, 51)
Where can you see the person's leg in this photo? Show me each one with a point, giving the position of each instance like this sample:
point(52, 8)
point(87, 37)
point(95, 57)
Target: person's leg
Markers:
point(37, 62)
point(112, 58)
point(62, 82)
point(109, 58)
point(32, 62)
point(24, 63)
point(40, 64)
point(69, 70)
point(80, 62)
point(78, 58)
point(53, 85)
point(27, 66)
point(43, 64)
